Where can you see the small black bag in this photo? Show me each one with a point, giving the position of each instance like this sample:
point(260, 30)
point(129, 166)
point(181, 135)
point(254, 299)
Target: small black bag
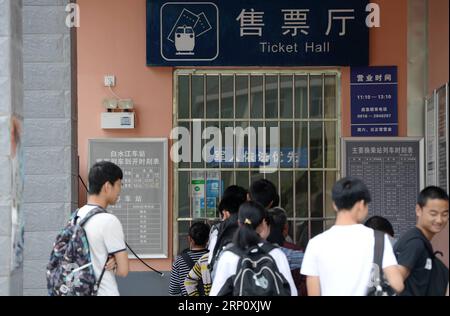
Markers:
point(378, 285)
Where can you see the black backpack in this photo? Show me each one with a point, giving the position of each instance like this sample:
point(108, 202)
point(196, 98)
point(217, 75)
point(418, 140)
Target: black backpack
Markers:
point(257, 274)
point(438, 277)
point(437, 285)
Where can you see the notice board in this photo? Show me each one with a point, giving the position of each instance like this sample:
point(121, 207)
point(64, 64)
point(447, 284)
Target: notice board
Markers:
point(442, 100)
point(431, 141)
point(374, 101)
point(142, 207)
point(436, 138)
point(393, 170)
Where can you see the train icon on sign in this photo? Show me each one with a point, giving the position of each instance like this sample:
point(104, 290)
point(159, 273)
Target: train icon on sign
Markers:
point(184, 40)
point(189, 31)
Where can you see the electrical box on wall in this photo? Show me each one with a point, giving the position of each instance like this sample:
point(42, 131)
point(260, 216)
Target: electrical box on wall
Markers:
point(117, 120)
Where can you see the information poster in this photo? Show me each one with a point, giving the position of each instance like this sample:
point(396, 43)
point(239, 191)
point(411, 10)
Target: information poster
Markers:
point(374, 101)
point(392, 168)
point(142, 206)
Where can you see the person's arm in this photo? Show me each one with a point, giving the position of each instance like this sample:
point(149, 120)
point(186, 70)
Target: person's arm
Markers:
point(122, 267)
point(283, 266)
point(310, 268)
point(313, 285)
point(408, 255)
point(404, 271)
point(115, 245)
point(174, 284)
point(394, 277)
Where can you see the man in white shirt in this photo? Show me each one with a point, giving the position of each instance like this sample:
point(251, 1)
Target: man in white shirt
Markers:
point(104, 231)
point(339, 261)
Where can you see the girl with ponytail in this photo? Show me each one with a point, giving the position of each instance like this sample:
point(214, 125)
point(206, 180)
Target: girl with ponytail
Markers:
point(253, 225)
point(253, 229)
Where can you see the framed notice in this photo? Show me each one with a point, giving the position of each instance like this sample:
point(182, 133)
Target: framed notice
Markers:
point(436, 138)
point(431, 141)
point(442, 136)
point(374, 101)
point(142, 207)
point(392, 168)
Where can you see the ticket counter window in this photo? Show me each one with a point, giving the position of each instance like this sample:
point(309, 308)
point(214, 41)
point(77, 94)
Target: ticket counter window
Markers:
point(304, 106)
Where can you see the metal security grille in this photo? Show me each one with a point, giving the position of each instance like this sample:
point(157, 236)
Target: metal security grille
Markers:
point(305, 107)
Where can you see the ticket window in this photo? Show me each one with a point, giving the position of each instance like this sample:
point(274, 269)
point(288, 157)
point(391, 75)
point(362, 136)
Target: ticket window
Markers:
point(305, 108)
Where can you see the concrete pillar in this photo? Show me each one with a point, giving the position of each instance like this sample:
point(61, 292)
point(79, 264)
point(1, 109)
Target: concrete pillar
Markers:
point(51, 190)
point(11, 149)
point(417, 66)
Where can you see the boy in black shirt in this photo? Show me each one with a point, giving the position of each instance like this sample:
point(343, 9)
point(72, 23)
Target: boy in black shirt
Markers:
point(414, 251)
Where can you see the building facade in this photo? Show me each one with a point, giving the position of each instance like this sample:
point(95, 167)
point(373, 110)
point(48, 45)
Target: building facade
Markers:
point(310, 104)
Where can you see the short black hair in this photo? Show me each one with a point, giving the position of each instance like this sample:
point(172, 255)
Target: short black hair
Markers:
point(233, 197)
point(264, 192)
point(199, 232)
point(431, 193)
point(236, 191)
point(348, 191)
point(380, 223)
point(102, 172)
point(230, 204)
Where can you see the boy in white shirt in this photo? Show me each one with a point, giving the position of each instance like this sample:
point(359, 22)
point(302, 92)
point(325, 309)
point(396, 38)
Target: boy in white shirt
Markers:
point(339, 261)
point(104, 230)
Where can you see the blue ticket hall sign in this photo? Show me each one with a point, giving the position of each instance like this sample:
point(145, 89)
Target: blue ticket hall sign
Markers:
point(374, 101)
point(257, 33)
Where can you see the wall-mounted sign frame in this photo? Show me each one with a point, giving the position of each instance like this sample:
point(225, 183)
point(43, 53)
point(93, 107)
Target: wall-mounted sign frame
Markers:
point(437, 138)
point(431, 163)
point(374, 101)
point(143, 204)
point(257, 33)
point(442, 99)
point(393, 170)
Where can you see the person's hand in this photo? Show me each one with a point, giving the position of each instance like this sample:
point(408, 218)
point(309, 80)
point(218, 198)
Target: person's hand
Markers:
point(111, 264)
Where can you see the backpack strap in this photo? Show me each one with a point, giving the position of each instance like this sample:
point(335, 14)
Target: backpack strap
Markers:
point(74, 217)
point(101, 274)
point(234, 249)
point(91, 213)
point(268, 247)
point(190, 263)
point(227, 245)
point(378, 249)
point(432, 255)
point(187, 259)
point(95, 211)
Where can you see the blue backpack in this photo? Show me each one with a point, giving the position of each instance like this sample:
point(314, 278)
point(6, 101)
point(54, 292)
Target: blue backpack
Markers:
point(70, 271)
